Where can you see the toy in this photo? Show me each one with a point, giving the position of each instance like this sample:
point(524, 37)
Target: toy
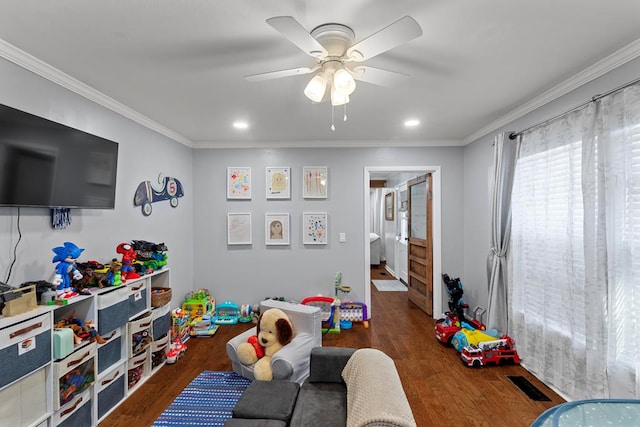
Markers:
point(227, 313)
point(468, 335)
point(330, 312)
point(245, 313)
point(66, 257)
point(497, 352)
point(114, 274)
point(202, 326)
point(446, 327)
point(90, 278)
point(146, 193)
point(177, 349)
point(128, 256)
point(199, 303)
point(274, 331)
point(354, 312)
point(180, 325)
point(82, 331)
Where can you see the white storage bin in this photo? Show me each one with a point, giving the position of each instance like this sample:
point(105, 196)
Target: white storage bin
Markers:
point(159, 351)
point(139, 298)
point(74, 374)
point(76, 413)
point(111, 352)
point(138, 368)
point(25, 402)
point(111, 390)
point(113, 309)
point(139, 333)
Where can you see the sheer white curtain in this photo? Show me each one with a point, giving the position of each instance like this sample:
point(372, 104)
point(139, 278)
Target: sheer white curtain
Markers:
point(575, 243)
point(377, 215)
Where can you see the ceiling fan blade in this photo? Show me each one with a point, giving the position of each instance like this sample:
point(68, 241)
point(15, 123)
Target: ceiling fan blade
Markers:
point(378, 76)
point(278, 74)
point(298, 35)
point(401, 31)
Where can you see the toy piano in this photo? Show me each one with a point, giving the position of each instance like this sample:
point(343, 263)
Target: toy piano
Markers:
point(227, 313)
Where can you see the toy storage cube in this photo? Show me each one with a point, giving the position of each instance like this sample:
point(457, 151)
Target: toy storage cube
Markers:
point(111, 391)
point(25, 401)
point(76, 413)
point(159, 351)
point(26, 346)
point(110, 352)
point(138, 368)
point(74, 374)
point(139, 333)
point(139, 300)
point(113, 309)
point(161, 322)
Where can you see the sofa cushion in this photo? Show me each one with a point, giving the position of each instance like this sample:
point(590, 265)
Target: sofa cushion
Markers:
point(272, 400)
point(374, 391)
point(320, 404)
point(327, 364)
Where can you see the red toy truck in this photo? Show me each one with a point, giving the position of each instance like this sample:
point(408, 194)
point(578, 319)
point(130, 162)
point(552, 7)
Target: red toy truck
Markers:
point(498, 352)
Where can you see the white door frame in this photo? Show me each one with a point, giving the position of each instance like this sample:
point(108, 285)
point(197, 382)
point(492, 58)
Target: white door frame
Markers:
point(436, 231)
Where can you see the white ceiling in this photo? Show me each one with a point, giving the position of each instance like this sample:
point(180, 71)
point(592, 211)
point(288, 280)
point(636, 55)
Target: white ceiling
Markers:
point(179, 64)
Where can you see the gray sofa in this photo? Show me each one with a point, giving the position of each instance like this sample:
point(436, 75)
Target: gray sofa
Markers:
point(346, 387)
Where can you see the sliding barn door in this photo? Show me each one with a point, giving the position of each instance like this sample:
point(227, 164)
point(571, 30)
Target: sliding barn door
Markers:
point(420, 262)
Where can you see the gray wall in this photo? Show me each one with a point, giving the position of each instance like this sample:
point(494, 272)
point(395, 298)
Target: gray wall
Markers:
point(478, 161)
point(143, 154)
point(248, 274)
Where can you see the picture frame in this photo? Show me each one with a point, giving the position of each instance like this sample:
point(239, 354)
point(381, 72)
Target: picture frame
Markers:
point(314, 228)
point(239, 228)
point(277, 230)
point(238, 183)
point(389, 206)
point(278, 182)
point(315, 182)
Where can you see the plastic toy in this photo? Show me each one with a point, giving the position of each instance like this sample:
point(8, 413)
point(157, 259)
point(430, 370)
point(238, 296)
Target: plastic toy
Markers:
point(170, 189)
point(354, 312)
point(177, 349)
point(467, 336)
point(497, 352)
point(199, 303)
point(245, 313)
point(66, 257)
point(180, 325)
point(128, 257)
point(447, 327)
point(330, 312)
point(227, 313)
point(203, 326)
point(90, 278)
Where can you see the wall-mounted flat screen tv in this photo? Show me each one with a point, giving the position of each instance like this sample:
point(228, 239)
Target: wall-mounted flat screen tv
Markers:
point(47, 164)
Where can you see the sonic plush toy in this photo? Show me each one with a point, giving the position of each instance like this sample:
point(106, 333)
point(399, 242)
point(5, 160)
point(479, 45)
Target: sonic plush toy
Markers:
point(66, 257)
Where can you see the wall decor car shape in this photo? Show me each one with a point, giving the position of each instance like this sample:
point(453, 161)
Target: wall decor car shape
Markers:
point(169, 189)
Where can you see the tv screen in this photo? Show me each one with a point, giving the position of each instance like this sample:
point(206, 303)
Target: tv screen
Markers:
point(47, 164)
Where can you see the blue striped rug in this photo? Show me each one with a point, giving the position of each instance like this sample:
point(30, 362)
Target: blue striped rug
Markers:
point(207, 401)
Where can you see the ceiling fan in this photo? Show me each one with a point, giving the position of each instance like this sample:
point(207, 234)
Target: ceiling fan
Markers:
point(339, 60)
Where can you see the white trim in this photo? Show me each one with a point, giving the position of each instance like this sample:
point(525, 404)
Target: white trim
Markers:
point(611, 62)
point(436, 230)
point(329, 144)
point(41, 68)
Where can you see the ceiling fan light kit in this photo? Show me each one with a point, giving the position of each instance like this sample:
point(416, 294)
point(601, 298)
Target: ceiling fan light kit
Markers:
point(332, 46)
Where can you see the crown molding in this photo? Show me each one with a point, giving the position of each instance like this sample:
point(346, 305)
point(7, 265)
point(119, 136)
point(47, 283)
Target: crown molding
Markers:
point(611, 62)
point(41, 68)
point(329, 144)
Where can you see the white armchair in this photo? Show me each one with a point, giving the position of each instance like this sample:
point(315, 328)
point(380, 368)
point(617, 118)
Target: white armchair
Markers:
point(290, 363)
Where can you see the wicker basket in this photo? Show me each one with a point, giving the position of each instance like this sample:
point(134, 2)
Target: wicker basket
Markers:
point(160, 296)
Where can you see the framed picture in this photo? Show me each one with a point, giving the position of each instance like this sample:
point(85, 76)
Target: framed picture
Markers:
point(314, 228)
point(278, 183)
point(388, 207)
point(314, 182)
point(239, 183)
point(239, 228)
point(276, 226)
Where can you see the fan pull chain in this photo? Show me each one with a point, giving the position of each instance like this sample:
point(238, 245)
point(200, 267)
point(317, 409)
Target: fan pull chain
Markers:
point(344, 119)
point(333, 127)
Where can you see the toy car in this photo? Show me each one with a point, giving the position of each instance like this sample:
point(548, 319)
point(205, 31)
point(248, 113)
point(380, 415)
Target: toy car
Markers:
point(176, 351)
point(467, 336)
point(170, 189)
point(497, 352)
point(447, 327)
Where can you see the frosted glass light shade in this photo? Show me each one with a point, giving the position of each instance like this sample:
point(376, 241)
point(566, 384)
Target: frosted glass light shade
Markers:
point(343, 81)
point(316, 87)
point(338, 97)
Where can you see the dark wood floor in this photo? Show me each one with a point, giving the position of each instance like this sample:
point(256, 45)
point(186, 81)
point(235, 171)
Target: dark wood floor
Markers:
point(441, 391)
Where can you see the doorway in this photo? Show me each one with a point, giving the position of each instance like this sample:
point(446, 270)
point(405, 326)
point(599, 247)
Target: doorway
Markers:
point(436, 223)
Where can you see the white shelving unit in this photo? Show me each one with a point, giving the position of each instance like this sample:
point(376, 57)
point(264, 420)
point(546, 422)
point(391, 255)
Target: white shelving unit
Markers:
point(30, 377)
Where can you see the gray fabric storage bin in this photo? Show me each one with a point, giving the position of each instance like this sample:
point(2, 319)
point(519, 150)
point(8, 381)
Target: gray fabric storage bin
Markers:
point(14, 366)
point(137, 306)
point(109, 353)
point(113, 317)
point(110, 396)
point(161, 326)
point(80, 418)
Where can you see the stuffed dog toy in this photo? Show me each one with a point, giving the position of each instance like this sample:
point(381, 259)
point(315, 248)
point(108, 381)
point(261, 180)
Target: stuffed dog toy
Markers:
point(274, 331)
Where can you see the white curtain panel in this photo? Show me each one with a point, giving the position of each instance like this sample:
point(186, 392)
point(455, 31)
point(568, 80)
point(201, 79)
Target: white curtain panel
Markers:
point(377, 222)
point(575, 249)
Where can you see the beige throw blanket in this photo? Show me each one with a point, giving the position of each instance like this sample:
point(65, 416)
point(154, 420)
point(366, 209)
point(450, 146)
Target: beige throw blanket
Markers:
point(375, 396)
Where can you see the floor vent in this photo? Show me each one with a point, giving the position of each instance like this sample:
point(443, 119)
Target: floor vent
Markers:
point(382, 273)
point(527, 388)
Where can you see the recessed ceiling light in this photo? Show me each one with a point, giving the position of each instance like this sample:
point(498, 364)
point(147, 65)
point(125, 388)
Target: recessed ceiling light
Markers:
point(412, 123)
point(240, 125)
